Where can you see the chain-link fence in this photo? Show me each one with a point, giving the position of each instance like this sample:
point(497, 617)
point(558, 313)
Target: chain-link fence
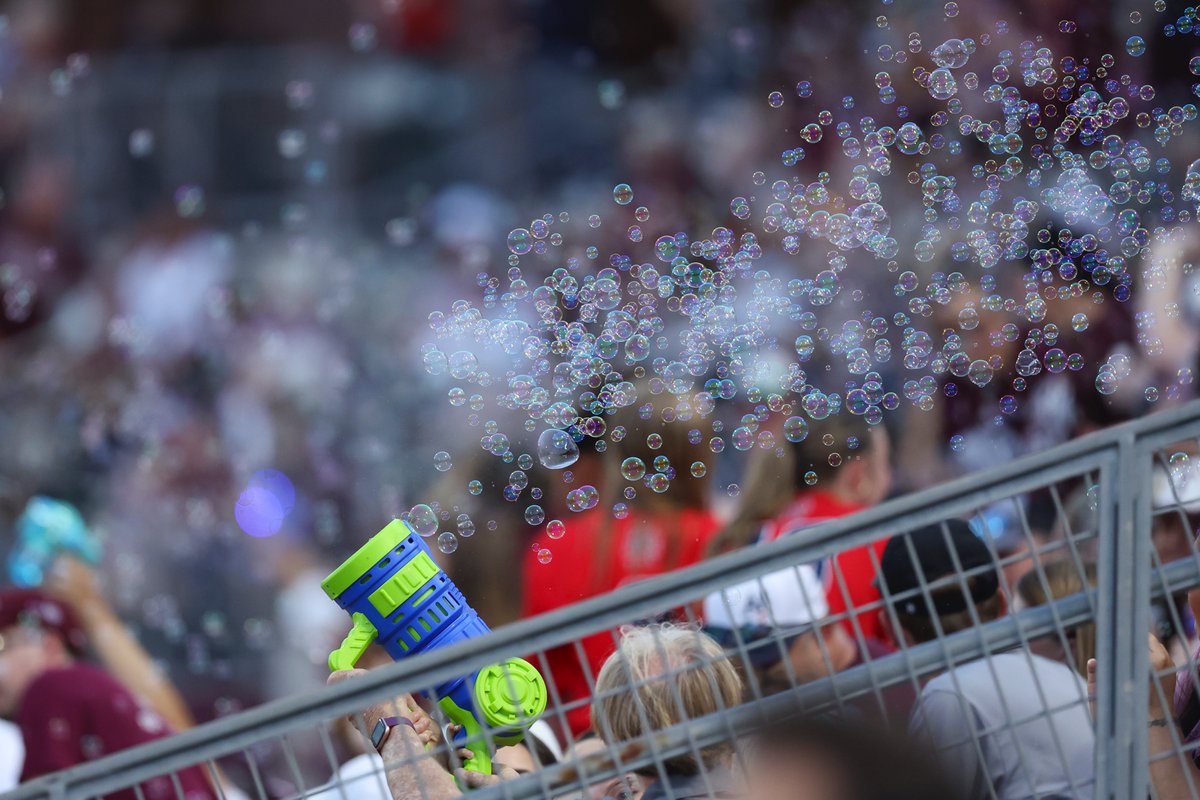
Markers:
point(986, 599)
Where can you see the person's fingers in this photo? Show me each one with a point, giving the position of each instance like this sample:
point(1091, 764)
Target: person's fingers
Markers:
point(343, 675)
point(475, 780)
point(1160, 658)
point(504, 772)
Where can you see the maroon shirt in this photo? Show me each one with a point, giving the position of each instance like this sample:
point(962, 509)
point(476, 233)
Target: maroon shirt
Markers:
point(79, 713)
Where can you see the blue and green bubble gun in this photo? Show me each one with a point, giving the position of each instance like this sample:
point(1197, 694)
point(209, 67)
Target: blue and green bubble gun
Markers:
point(398, 596)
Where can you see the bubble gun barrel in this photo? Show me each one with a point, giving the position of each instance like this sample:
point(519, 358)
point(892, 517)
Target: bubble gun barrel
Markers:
point(398, 596)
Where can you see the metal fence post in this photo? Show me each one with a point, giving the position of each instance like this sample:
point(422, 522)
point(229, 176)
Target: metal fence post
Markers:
point(1122, 624)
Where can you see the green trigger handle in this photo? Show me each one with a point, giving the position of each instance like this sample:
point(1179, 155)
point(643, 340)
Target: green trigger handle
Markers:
point(354, 645)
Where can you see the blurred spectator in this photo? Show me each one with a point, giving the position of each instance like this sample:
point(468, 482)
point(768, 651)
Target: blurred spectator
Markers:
point(1173, 773)
point(1054, 581)
point(664, 675)
point(74, 584)
point(600, 551)
point(70, 712)
point(1009, 725)
point(820, 759)
point(813, 490)
point(1186, 700)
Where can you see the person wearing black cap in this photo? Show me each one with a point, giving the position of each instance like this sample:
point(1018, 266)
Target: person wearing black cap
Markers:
point(1009, 725)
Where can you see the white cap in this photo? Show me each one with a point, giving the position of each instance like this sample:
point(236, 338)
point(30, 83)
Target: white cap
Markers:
point(1177, 486)
point(785, 598)
point(542, 731)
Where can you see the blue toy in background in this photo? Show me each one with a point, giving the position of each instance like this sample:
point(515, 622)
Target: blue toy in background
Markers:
point(47, 529)
point(399, 597)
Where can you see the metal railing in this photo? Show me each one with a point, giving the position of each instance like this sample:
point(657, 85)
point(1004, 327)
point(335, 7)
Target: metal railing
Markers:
point(1113, 469)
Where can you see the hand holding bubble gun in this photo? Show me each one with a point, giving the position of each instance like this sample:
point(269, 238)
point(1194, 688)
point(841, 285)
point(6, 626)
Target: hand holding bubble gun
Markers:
point(398, 596)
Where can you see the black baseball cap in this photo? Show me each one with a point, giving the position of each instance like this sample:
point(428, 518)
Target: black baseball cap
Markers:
point(934, 562)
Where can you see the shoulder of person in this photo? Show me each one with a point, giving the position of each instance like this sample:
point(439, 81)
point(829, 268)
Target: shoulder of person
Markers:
point(74, 681)
point(959, 679)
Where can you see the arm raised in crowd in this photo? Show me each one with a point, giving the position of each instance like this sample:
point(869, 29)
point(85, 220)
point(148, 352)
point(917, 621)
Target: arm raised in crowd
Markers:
point(74, 583)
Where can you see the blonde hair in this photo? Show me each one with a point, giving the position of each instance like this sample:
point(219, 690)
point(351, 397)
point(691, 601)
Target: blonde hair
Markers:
point(1063, 580)
point(659, 676)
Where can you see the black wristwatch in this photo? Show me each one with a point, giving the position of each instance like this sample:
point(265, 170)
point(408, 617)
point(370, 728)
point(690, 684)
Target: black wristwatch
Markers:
point(383, 728)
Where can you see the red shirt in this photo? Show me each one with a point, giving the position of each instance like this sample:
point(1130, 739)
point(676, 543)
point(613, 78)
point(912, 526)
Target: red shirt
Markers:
point(855, 567)
point(79, 713)
point(583, 566)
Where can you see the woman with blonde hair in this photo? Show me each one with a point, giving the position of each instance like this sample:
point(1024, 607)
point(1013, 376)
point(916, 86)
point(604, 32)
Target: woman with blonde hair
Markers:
point(660, 676)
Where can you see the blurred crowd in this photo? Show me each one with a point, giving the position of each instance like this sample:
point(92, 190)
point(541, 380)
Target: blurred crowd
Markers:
point(222, 227)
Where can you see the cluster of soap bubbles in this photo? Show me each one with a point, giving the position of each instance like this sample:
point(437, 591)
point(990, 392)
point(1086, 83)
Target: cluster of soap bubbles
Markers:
point(1022, 162)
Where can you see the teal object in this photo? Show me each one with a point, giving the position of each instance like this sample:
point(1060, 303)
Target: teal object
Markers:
point(49, 528)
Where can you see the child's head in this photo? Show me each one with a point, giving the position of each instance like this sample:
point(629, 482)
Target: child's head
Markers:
point(938, 579)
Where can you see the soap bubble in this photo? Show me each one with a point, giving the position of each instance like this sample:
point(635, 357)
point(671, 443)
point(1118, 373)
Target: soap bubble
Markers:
point(942, 85)
point(795, 429)
point(475, 487)
point(951, 54)
point(423, 519)
point(141, 143)
point(1063, 189)
point(633, 468)
point(775, 99)
point(1135, 45)
point(292, 143)
point(520, 241)
point(535, 515)
point(544, 556)
point(441, 461)
point(556, 529)
point(556, 449)
point(189, 201)
point(463, 364)
point(466, 526)
point(447, 542)
point(583, 498)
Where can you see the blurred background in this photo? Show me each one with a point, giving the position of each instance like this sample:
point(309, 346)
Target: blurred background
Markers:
point(223, 224)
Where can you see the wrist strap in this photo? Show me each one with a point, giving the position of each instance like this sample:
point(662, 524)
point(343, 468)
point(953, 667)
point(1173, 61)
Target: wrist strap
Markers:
point(384, 727)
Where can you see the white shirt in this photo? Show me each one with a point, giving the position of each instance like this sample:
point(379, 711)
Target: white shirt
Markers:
point(360, 778)
point(1016, 722)
point(12, 755)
